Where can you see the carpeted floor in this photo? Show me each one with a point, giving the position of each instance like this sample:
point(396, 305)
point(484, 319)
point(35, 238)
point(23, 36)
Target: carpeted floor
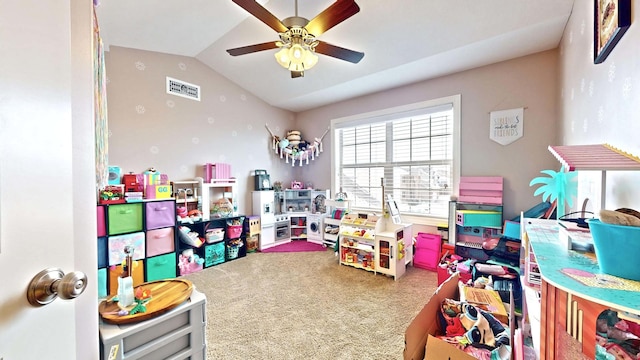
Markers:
point(307, 306)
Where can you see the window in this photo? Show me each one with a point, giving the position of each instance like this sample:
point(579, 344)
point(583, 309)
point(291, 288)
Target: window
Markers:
point(413, 148)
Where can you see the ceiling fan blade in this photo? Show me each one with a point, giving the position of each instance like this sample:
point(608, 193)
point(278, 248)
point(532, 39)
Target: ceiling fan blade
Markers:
point(339, 52)
point(297, 74)
point(252, 48)
point(340, 11)
point(262, 14)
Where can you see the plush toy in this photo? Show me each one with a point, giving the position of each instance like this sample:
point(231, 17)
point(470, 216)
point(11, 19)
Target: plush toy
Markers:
point(623, 216)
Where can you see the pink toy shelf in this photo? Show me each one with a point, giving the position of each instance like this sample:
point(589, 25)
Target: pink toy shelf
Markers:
point(481, 190)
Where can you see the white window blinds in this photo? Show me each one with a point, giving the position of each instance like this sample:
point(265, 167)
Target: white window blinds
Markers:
point(412, 150)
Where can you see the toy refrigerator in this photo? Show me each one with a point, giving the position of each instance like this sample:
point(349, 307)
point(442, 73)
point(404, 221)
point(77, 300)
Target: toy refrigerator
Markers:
point(263, 206)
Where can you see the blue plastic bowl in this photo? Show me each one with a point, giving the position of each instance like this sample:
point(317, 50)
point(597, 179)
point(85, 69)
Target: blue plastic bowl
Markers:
point(617, 249)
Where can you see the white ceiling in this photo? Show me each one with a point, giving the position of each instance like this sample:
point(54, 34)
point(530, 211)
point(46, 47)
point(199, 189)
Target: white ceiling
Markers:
point(404, 41)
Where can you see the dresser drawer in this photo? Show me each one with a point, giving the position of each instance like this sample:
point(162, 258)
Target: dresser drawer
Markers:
point(160, 214)
point(102, 226)
point(116, 271)
point(160, 241)
point(161, 267)
point(117, 243)
point(124, 218)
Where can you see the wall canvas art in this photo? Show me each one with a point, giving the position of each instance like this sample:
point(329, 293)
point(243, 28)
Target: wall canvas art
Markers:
point(611, 20)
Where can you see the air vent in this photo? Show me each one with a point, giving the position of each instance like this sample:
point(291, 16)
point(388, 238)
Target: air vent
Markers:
point(184, 89)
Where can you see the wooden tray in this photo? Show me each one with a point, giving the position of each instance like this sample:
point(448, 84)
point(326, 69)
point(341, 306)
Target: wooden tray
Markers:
point(165, 295)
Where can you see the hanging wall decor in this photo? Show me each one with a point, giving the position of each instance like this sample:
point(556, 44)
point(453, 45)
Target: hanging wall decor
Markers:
point(505, 126)
point(293, 147)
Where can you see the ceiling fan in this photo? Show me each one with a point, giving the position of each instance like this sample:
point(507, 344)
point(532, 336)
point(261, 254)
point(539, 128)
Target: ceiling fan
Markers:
point(298, 36)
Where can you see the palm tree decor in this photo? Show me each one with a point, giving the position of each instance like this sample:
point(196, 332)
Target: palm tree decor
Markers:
point(559, 186)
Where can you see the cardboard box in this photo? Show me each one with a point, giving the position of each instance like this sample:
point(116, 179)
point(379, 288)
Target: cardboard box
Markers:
point(426, 325)
point(486, 299)
point(440, 350)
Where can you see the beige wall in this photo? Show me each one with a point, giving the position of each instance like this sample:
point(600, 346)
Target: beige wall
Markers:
point(568, 100)
point(529, 82)
point(600, 103)
point(150, 128)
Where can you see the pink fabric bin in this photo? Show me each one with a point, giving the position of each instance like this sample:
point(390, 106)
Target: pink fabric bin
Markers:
point(160, 241)
point(427, 255)
point(102, 228)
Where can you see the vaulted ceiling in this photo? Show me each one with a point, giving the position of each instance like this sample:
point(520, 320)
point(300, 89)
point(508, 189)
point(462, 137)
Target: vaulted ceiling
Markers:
point(404, 41)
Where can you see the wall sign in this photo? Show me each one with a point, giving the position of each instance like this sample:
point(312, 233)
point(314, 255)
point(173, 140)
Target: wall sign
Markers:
point(505, 126)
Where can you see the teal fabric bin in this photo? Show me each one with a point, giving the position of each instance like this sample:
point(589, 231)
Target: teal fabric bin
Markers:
point(161, 267)
point(102, 283)
point(214, 254)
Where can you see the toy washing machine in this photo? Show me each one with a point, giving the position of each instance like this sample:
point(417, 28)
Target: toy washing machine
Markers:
point(315, 228)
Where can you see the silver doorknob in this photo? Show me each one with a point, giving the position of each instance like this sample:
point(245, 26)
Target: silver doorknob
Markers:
point(51, 283)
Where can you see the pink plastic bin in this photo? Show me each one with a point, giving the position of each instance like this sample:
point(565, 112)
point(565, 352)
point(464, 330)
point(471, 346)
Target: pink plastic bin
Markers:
point(427, 253)
point(234, 231)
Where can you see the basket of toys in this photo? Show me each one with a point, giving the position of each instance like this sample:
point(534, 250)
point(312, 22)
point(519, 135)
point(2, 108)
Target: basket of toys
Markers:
point(235, 227)
point(252, 243)
point(233, 249)
point(214, 235)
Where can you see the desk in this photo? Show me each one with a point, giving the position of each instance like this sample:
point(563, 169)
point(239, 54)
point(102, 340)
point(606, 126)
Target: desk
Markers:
point(177, 334)
point(573, 293)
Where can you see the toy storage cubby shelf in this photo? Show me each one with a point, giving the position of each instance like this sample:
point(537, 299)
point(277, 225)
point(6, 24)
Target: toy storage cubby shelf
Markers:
point(225, 188)
point(149, 227)
point(187, 193)
point(298, 226)
point(369, 242)
point(337, 209)
point(476, 216)
point(226, 242)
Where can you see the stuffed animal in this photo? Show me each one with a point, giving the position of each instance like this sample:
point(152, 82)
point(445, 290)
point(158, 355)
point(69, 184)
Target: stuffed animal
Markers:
point(622, 216)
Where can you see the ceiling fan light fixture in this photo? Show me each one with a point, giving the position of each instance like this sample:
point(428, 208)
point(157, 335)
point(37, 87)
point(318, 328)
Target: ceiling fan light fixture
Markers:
point(296, 57)
point(282, 57)
point(298, 44)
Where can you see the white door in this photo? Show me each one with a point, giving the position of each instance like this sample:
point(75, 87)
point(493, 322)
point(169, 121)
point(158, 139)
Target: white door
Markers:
point(47, 201)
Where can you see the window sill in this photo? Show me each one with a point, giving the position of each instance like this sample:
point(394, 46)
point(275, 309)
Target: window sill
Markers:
point(413, 219)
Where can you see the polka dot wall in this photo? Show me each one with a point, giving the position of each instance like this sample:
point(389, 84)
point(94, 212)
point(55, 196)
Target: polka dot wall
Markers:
point(600, 103)
point(176, 135)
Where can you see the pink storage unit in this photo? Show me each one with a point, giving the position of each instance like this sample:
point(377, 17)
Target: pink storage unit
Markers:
point(159, 214)
point(102, 226)
point(427, 254)
point(117, 243)
point(481, 190)
point(216, 171)
point(160, 241)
